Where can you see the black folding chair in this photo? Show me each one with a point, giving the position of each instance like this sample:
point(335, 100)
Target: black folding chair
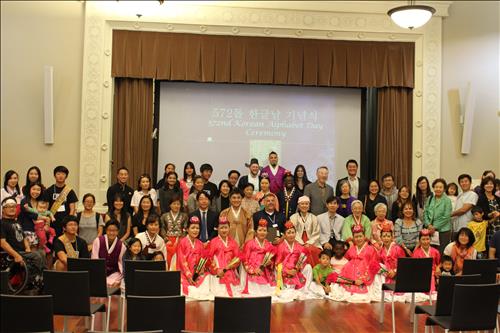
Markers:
point(130, 266)
point(157, 283)
point(474, 308)
point(71, 293)
point(167, 313)
point(444, 297)
point(26, 313)
point(252, 314)
point(97, 278)
point(486, 267)
point(413, 276)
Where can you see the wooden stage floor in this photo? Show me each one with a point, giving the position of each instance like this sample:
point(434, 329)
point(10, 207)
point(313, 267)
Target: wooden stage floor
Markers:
point(297, 316)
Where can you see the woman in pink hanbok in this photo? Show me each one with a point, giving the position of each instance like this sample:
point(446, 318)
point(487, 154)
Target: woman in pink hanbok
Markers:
point(361, 270)
point(224, 254)
point(425, 250)
point(389, 253)
point(192, 263)
point(293, 271)
point(258, 262)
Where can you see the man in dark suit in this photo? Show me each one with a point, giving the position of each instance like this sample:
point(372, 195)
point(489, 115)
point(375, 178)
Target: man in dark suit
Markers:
point(275, 220)
point(209, 220)
point(359, 187)
point(253, 177)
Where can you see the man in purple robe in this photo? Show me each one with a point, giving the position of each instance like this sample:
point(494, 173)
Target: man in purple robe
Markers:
point(275, 173)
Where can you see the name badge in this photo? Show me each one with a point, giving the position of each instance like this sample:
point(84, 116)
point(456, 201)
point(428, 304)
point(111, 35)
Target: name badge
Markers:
point(77, 254)
point(275, 225)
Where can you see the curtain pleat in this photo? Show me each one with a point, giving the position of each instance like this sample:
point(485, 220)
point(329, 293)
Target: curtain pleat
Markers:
point(394, 131)
point(132, 126)
point(261, 60)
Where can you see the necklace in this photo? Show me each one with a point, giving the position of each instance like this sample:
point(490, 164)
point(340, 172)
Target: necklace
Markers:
point(288, 197)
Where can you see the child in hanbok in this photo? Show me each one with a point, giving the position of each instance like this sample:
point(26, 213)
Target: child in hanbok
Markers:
point(224, 254)
point(258, 263)
point(192, 263)
point(355, 282)
point(293, 274)
point(425, 250)
point(338, 260)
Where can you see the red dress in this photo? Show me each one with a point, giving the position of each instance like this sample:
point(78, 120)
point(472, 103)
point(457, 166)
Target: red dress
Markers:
point(188, 256)
point(288, 256)
point(253, 256)
point(363, 264)
point(389, 257)
point(436, 257)
point(221, 253)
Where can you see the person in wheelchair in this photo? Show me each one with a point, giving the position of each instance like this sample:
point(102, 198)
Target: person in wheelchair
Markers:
point(14, 244)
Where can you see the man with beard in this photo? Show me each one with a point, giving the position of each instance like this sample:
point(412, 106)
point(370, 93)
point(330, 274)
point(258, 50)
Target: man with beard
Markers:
point(275, 220)
point(275, 173)
point(252, 178)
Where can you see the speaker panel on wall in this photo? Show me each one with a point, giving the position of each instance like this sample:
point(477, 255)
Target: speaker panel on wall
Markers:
point(48, 105)
point(468, 119)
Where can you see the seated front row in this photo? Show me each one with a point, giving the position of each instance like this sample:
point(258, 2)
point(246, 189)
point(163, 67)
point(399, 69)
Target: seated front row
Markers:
point(219, 268)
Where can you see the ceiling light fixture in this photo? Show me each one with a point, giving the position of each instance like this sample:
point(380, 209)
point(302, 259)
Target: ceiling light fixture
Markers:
point(411, 16)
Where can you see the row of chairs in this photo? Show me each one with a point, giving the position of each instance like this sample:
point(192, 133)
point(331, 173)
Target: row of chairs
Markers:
point(478, 278)
point(148, 278)
point(151, 293)
point(166, 313)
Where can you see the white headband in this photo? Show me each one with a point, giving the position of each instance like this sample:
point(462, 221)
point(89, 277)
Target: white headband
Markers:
point(9, 201)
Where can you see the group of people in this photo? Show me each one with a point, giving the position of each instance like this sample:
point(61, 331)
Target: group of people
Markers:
point(269, 232)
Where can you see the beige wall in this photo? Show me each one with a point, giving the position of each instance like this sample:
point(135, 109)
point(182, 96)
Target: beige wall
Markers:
point(34, 34)
point(471, 54)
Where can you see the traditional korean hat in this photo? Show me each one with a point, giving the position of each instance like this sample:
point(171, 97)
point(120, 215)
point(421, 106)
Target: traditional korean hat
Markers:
point(223, 220)
point(357, 229)
point(194, 220)
point(386, 227)
point(289, 225)
point(425, 232)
